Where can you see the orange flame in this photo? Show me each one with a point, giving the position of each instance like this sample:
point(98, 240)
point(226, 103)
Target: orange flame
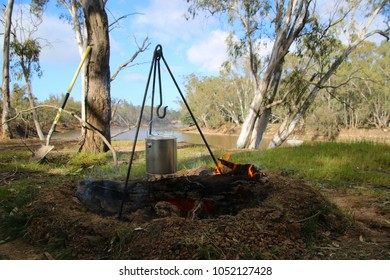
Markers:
point(237, 169)
point(252, 172)
point(219, 168)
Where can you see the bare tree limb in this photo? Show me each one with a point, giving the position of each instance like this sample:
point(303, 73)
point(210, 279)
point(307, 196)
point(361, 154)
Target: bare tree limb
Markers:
point(130, 127)
point(84, 123)
point(112, 26)
point(145, 45)
point(115, 108)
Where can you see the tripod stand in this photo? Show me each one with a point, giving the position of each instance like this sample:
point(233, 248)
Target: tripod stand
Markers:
point(156, 71)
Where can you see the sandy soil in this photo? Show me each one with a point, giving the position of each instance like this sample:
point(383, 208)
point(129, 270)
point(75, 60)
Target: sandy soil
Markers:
point(293, 221)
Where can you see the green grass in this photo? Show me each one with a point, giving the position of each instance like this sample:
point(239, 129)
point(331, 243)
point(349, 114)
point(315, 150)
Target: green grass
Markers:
point(338, 164)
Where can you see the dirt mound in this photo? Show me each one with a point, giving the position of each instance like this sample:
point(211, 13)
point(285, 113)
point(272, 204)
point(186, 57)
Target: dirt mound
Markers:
point(294, 221)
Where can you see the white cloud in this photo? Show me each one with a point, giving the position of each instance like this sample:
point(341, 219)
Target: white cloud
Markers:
point(210, 53)
point(165, 21)
point(56, 37)
point(62, 48)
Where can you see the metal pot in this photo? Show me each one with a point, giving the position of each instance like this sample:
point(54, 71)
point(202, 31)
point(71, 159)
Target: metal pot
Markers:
point(161, 155)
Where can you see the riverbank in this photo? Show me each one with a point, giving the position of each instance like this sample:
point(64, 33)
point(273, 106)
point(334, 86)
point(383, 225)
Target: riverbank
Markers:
point(344, 135)
point(223, 138)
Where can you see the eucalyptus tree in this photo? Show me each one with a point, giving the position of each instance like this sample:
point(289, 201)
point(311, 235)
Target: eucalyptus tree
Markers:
point(381, 102)
point(6, 128)
point(91, 27)
point(365, 100)
point(254, 22)
point(217, 100)
point(76, 19)
point(24, 51)
point(346, 17)
point(98, 102)
point(202, 97)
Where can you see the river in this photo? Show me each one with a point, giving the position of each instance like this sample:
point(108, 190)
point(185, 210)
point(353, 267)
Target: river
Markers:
point(217, 140)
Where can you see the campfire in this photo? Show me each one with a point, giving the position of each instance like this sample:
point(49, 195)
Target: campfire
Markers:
point(193, 194)
point(231, 188)
point(227, 167)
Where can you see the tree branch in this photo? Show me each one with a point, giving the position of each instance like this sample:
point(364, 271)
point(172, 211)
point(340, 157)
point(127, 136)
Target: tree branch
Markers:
point(111, 25)
point(130, 127)
point(84, 123)
point(145, 45)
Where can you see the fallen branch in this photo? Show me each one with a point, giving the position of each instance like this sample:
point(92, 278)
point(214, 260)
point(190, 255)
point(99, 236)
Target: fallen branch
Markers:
point(123, 131)
point(308, 218)
point(327, 248)
point(89, 126)
point(6, 177)
point(84, 123)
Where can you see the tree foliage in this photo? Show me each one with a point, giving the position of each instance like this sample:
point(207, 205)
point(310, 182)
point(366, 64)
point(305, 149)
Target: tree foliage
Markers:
point(25, 49)
point(25, 58)
point(365, 100)
point(356, 96)
point(217, 100)
point(292, 25)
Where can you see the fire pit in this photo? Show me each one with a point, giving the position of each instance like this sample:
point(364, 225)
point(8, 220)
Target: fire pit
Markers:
point(189, 196)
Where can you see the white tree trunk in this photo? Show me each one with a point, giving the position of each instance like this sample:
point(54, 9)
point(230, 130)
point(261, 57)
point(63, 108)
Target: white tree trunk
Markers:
point(6, 128)
point(284, 131)
point(81, 39)
point(34, 111)
point(288, 25)
point(250, 121)
point(260, 127)
point(288, 125)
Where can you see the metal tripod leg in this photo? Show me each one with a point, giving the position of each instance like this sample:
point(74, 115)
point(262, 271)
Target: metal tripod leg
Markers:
point(157, 56)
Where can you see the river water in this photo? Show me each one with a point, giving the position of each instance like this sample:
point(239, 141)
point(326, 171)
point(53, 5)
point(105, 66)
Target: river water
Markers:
point(220, 141)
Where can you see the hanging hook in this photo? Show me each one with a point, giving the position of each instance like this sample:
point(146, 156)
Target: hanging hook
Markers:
point(164, 113)
point(158, 56)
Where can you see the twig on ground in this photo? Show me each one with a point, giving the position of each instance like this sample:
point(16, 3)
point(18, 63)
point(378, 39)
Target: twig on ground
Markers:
point(308, 218)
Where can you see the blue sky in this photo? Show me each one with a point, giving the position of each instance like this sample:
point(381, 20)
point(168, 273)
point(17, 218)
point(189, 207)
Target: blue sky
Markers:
point(193, 46)
point(189, 46)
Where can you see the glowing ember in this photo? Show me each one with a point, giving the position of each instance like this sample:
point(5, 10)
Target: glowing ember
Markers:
point(186, 207)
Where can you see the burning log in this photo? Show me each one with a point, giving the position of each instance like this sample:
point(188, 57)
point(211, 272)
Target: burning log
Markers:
point(242, 169)
point(185, 196)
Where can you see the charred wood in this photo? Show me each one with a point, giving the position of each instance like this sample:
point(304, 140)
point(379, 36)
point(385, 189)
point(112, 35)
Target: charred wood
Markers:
point(185, 196)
